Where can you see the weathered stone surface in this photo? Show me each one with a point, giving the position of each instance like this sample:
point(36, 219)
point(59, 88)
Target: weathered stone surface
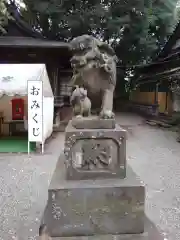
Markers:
point(89, 207)
point(95, 153)
point(150, 233)
point(80, 102)
point(94, 67)
point(93, 123)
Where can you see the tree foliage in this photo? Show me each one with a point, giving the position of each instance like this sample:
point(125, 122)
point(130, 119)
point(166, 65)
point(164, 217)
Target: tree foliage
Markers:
point(3, 15)
point(177, 11)
point(137, 29)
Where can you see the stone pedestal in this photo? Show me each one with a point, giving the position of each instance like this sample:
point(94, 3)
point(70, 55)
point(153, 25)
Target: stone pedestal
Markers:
point(95, 153)
point(92, 191)
point(90, 207)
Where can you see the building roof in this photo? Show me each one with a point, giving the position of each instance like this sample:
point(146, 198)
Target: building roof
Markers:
point(8, 41)
point(171, 44)
point(28, 37)
point(19, 23)
point(156, 72)
point(166, 62)
point(22, 44)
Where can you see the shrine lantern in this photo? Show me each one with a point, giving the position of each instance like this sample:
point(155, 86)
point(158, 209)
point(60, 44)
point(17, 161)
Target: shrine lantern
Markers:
point(17, 108)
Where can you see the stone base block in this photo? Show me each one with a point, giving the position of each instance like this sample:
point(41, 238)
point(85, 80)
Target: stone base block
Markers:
point(150, 233)
point(93, 207)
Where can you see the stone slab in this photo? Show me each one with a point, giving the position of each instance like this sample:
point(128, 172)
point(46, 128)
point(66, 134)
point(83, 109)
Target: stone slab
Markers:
point(150, 233)
point(90, 207)
point(95, 153)
point(93, 122)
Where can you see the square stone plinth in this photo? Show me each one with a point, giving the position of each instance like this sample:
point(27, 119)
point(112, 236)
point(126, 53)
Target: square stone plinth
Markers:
point(90, 207)
point(95, 153)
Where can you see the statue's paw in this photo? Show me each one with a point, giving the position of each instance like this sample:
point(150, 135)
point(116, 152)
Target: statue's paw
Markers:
point(79, 116)
point(107, 114)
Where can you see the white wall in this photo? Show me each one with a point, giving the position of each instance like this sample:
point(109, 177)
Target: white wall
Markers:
point(48, 114)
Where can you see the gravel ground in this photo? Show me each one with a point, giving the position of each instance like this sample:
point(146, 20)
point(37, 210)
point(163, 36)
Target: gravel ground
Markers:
point(153, 153)
point(23, 190)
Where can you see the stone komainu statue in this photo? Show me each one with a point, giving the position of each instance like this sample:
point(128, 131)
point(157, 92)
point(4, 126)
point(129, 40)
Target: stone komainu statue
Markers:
point(94, 68)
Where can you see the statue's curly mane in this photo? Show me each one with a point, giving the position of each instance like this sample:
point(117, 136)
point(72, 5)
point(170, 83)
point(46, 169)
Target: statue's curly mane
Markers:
point(91, 54)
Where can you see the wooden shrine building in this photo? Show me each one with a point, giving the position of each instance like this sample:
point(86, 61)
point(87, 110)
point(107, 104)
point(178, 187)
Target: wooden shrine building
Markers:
point(21, 44)
point(151, 82)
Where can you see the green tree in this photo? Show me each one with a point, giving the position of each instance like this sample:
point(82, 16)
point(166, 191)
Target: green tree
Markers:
point(4, 15)
point(177, 10)
point(148, 32)
point(135, 28)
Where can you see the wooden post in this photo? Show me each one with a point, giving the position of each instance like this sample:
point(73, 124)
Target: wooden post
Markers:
point(156, 97)
point(156, 93)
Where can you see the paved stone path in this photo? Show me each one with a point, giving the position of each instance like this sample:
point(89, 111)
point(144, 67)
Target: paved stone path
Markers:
point(153, 153)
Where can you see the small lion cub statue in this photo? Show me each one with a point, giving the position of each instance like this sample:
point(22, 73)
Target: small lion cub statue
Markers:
point(80, 102)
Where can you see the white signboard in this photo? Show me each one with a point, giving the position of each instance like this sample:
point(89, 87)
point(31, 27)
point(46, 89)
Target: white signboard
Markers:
point(35, 111)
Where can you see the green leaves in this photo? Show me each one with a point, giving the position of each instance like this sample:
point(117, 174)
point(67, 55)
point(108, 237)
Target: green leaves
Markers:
point(136, 28)
point(4, 16)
